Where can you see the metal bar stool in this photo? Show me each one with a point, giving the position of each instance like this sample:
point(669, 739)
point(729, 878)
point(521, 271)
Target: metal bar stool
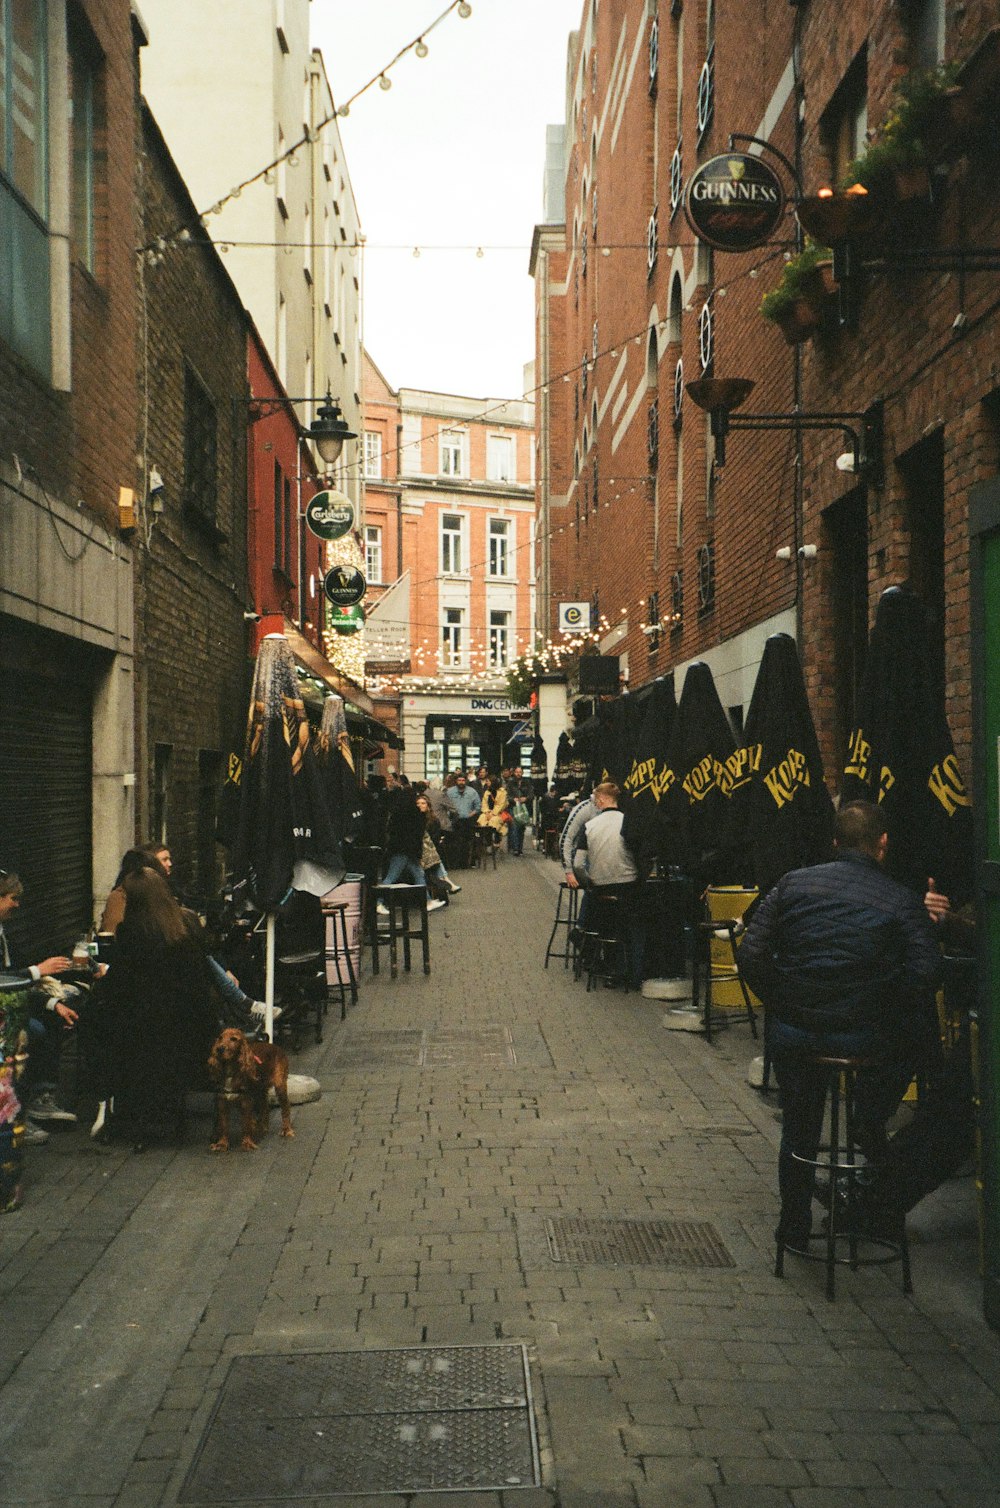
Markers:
point(400, 901)
point(842, 1164)
point(570, 893)
point(339, 958)
point(606, 949)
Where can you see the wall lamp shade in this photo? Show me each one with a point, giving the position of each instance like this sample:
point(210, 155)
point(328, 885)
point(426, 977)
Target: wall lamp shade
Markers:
point(719, 396)
point(726, 393)
point(329, 430)
point(830, 217)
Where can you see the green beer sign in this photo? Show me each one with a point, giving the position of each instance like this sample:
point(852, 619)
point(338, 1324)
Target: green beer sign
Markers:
point(330, 515)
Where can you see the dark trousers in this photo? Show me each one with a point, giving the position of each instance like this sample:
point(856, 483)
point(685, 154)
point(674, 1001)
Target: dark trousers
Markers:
point(803, 1087)
point(624, 915)
point(462, 830)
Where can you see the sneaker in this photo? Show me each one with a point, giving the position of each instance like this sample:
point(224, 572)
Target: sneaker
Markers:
point(33, 1136)
point(453, 887)
point(436, 905)
point(46, 1109)
point(259, 1008)
point(381, 910)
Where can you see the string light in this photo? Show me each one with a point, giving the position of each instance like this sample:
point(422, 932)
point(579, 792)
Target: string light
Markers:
point(343, 110)
point(421, 49)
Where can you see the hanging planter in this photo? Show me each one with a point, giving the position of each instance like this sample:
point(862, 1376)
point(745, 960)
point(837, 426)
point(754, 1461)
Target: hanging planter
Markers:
point(799, 303)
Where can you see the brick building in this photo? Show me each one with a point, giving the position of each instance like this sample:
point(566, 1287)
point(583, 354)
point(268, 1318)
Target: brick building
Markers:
point(450, 560)
point(192, 642)
point(678, 555)
point(68, 425)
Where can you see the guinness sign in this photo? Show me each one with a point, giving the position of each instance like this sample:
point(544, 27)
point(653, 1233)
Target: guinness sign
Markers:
point(344, 586)
point(734, 202)
point(329, 515)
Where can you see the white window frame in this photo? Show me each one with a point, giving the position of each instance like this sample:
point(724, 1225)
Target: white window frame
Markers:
point(451, 453)
point(499, 548)
point(499, 631)
point(373, 553)
point(506, 470)
point(453, 638)
point(453, 550)
point(373, 453)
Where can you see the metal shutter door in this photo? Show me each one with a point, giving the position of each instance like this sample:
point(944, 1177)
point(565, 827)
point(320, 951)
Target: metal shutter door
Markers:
point(45, 809)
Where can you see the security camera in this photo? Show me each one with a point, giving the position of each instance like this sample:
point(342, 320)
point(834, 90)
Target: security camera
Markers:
point(251, 617)
point(157, 487)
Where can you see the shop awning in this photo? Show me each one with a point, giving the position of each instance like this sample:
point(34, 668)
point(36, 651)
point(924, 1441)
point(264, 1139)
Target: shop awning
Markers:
point(315, 663)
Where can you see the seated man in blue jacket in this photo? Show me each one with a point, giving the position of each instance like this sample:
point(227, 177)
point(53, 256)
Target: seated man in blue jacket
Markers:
point(846, 961)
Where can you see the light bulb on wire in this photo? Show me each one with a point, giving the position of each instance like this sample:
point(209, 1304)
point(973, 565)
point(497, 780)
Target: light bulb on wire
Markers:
point(465, 10)
point(421, 48)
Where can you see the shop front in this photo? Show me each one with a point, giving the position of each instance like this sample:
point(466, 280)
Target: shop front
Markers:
point(450, 731)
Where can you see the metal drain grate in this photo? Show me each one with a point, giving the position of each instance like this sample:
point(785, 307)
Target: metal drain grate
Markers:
point(445, 1047)
point(636, 1243)
point(420, 1419)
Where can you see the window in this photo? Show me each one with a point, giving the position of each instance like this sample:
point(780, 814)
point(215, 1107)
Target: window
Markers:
point(452, 452)
point(927, 29)
point(452, 552)
point(209, 770)
point(24, 197)
point(499, 562)
point(162, 757)
point(373, 453)
point(844, 125)
point(200, 446)
point(499, 650)
point(86, 74)
point(500, 458)
point(373, 552)
point(453, 646)
point(282, 522)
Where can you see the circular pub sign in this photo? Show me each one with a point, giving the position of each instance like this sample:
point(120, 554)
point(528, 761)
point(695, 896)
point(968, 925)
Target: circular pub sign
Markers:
point(344, 586)
point(330, 515)
point(734, 202)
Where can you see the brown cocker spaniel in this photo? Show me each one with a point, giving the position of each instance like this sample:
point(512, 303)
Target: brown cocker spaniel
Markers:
point(244, 1072)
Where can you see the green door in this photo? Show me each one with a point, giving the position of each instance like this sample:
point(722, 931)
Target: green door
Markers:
point(984, 528)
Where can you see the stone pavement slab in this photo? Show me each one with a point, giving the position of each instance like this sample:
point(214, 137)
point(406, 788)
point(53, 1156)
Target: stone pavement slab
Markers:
point(459, 1112)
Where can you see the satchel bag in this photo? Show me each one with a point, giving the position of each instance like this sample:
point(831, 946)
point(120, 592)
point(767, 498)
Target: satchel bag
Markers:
point(429, 855)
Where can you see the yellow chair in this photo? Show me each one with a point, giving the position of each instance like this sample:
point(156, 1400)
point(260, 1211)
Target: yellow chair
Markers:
point(725, 989)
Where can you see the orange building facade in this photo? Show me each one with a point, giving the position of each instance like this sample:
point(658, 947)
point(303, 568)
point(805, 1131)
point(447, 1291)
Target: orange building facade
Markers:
point(449, 538)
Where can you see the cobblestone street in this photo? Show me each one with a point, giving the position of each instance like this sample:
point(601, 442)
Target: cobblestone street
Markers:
point(459, 1112)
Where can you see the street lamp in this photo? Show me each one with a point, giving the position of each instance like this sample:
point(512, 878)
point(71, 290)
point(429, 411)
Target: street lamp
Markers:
point(329, 430)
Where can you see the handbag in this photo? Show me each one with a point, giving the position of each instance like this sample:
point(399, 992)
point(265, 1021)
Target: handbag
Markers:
point(429, 855)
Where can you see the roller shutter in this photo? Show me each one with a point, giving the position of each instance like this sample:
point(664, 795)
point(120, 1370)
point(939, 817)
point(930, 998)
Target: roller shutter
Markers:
point(45, 807)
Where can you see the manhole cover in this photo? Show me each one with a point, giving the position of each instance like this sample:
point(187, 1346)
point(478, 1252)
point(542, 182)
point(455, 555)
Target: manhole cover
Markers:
point(636, 1243)
point(412, 1420)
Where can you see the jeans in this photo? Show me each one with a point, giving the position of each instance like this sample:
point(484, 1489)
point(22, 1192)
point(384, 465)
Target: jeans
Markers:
point(515, 837)
point(400, 868)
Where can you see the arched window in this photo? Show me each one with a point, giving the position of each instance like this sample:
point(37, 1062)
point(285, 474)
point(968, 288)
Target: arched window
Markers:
point(652, 356)
point(676, 309)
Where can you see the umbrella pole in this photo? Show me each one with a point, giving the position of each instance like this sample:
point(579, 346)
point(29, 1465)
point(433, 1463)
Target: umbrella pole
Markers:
point(272, 917)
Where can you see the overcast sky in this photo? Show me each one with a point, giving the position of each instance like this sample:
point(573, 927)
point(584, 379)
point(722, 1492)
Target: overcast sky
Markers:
point(452, 155)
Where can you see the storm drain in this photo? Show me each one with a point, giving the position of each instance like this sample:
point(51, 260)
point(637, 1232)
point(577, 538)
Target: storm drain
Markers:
point(445, 1047)
point(422, 1419)
point(635, 1243)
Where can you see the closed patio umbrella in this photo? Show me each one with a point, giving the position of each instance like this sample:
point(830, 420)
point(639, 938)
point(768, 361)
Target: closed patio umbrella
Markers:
point(699, 805)
point(646, 781)
point(788, 809)
point(539, 768)
point(335, 760)
point(286, 839)
point(901, 754)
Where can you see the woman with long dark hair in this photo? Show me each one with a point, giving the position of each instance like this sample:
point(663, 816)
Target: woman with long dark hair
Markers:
point(153, 1015)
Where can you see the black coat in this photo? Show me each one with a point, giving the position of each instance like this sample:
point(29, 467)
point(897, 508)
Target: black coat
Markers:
point(841, 947)
point(405, 828)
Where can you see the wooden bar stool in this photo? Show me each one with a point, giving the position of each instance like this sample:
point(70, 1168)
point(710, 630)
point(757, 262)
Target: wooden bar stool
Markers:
point(401, 901)
point(842, 1164)
point(571, 894)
